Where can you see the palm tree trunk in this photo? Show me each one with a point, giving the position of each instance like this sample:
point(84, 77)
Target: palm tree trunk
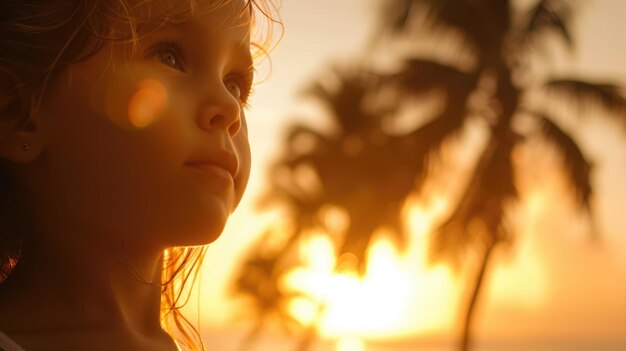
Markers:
point(469, 313)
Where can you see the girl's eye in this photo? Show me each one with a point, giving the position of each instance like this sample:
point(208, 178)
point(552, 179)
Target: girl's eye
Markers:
point(239, 84)
point(168, 54)
point(235, 89)
point(168, 58)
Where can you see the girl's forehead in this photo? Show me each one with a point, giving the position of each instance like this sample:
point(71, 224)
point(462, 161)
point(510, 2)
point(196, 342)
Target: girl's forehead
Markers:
point(224, 14)
point(204, 15)
point(174, 10)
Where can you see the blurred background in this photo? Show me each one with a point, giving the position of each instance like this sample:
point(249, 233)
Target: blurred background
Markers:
point(431, 175)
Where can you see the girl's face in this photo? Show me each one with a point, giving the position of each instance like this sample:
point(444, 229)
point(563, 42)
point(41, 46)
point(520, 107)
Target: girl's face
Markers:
point(150, 146)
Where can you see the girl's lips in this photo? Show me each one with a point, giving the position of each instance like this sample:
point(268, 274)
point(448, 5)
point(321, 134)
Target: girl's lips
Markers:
point(220, 162)
point(212, 169)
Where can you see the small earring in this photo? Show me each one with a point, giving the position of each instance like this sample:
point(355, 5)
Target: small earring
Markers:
point(25, 147)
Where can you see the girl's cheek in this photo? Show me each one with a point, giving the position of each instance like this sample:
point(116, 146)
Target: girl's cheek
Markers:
point(127, 95)
point(131, 104)
point(243, 144)
point(243, 152)
point(147, 103)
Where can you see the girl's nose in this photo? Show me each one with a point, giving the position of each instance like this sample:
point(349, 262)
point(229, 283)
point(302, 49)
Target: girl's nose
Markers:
point(221, 112)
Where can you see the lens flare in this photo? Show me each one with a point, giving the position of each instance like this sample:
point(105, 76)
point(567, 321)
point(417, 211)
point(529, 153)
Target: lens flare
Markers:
point(147, 104)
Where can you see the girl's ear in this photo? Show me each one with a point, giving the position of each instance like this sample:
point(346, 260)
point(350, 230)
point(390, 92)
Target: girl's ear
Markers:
point(21, 137)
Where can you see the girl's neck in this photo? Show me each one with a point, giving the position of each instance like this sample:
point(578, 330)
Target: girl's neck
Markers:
point(57, 292)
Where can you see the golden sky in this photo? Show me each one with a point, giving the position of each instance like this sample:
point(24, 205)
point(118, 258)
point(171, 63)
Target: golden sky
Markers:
point(551, 284)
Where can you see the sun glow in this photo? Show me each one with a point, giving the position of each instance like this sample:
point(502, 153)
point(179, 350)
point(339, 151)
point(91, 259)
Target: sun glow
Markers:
point(398, 295)
point(350, 344)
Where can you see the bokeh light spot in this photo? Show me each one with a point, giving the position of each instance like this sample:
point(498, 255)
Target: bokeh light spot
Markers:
point(148, 103)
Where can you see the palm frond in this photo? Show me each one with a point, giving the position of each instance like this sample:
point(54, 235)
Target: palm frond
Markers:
point(419, 76)
point(546, 17)
point(468, 18)
point(590, 94)
point(345, 98)
point(397, 14)
point(576, 165)
point(258, 279)
point(302, 139)
point(462, 14)
point(423, 143)
point(428, 139)
point(479, 218)
point(483, 22)
point(355, 243)
point(500, 13)
point(395, 223)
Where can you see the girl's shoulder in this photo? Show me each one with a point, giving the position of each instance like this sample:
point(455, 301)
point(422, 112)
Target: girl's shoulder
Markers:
point(7, 344)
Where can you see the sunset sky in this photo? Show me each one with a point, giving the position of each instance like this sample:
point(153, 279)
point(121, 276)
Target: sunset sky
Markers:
point(553, 284)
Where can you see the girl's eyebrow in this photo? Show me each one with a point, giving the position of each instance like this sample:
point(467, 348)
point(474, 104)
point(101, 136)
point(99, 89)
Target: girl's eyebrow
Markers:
point(193, 29)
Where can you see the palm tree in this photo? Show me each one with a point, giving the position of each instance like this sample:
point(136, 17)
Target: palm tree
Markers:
point(366, 172)
point(356, 168)
point(500, 44)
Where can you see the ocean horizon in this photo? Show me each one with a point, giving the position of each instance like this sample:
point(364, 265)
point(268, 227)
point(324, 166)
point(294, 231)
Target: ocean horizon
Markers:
point(232, 341)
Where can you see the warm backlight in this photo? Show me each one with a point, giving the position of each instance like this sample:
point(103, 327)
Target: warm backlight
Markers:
point(401, 295)
point(350, 344)
point(398, 295)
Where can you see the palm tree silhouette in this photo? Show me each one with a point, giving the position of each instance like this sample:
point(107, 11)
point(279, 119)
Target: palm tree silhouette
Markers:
point(488, 79)
point(348, 169)
point(500, 44)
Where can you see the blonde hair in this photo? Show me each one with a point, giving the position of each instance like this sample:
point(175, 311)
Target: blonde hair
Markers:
point(38, 38)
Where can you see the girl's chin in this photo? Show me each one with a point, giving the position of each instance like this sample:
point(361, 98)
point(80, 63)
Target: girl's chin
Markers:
point(203, 234)
point(199, 224)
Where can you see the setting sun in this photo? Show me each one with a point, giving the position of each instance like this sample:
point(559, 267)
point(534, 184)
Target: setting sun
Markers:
point(388, 301)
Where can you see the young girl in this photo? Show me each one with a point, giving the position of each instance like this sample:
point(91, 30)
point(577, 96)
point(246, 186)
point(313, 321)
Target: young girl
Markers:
point(123, 148)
